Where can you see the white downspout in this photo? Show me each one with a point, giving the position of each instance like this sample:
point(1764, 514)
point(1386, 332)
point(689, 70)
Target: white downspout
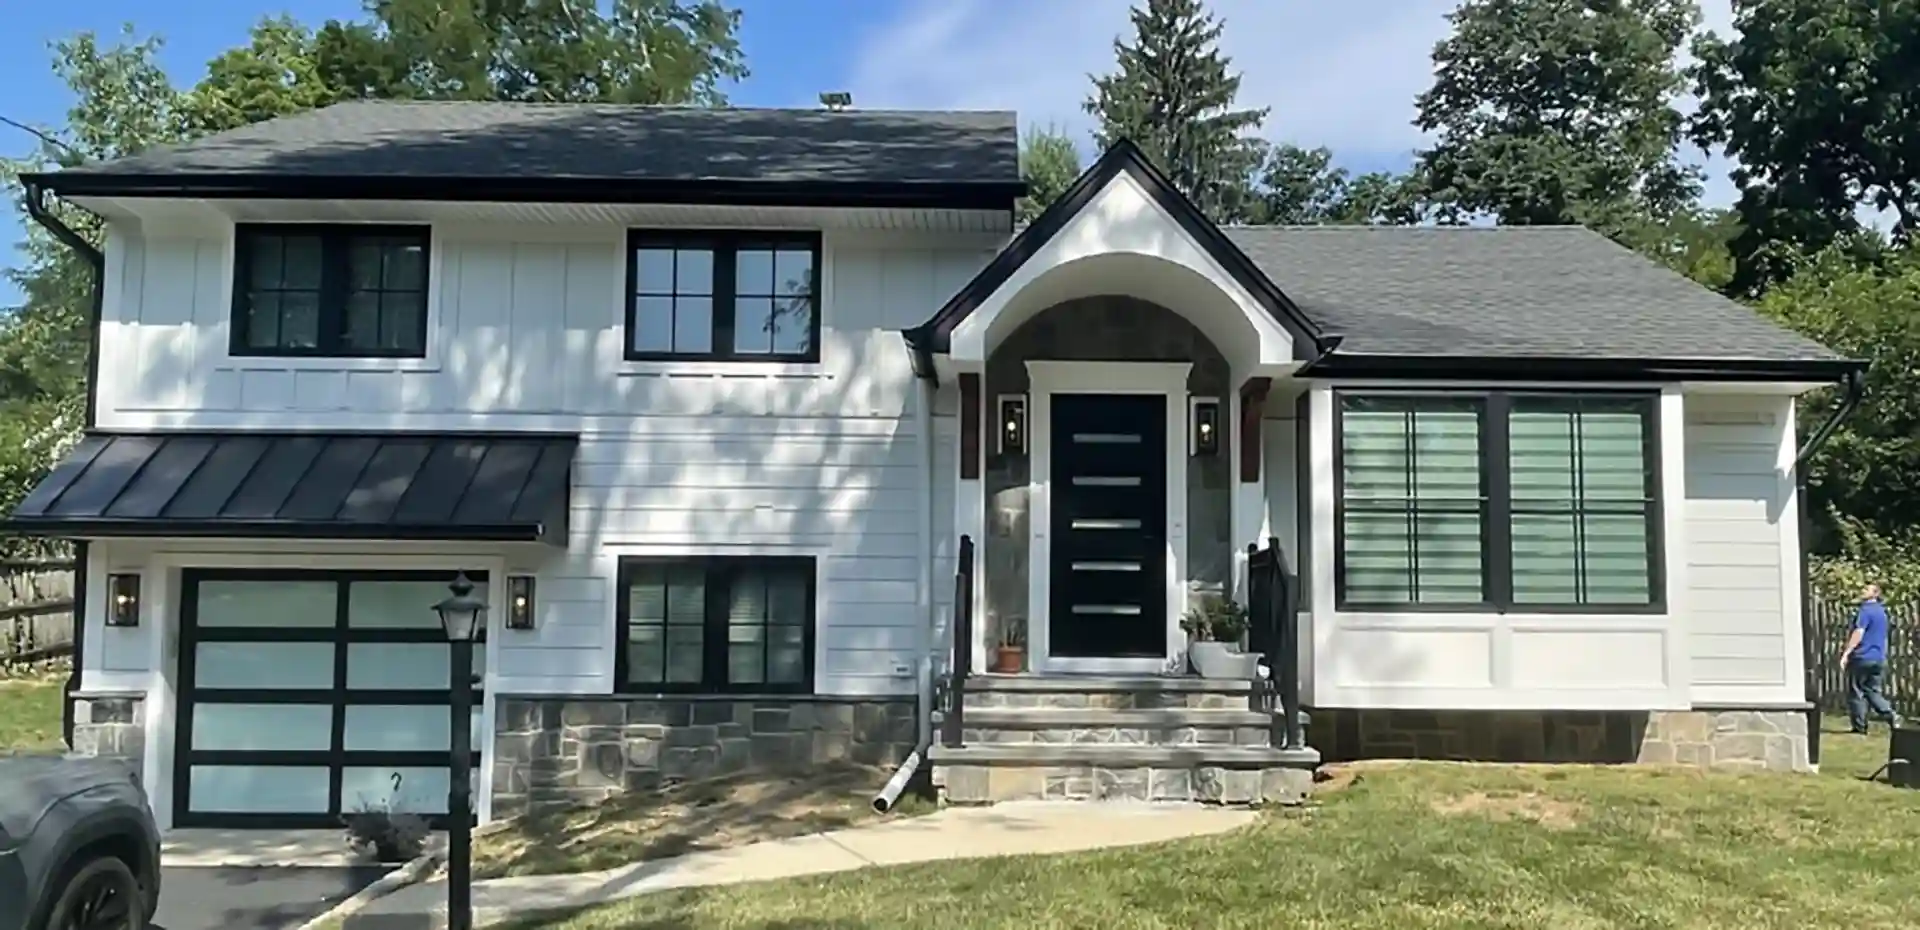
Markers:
point(923, 665)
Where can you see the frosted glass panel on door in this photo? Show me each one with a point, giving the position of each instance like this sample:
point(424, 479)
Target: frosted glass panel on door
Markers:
point(403, 728)
point(269, 666)
point(304, 604)
point(422, 789)
point(257, 789)
point(267, 727)
point(399, 666)
point(400, 605)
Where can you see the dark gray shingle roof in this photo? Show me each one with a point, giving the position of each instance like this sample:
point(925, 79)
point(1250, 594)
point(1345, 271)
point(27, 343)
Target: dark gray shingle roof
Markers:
point(1555, 292)
point(601, 141)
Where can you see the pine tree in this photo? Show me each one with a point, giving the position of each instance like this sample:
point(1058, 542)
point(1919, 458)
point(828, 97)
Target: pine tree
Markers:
point(1173, 95)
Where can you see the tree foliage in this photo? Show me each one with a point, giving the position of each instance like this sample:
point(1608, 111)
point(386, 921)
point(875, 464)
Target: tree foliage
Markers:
point(1049, 163)
point(1300, 186)
point(1815, 100)
point(1559, 111)
point(1173, 94)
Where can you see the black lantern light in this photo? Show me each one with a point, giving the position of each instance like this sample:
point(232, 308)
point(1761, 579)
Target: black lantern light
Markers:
point(1013, 424)
point(123, 600)
point(1206, 426)
point(519, 602)
point(464, 617)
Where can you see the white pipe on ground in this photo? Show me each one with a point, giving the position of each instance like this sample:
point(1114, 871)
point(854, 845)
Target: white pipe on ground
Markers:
point(890, 792)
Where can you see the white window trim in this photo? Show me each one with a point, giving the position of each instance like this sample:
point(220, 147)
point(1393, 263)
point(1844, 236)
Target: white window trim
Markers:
point(1046, 378)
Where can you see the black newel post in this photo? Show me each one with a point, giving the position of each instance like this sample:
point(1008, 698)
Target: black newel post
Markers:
point(463, 616)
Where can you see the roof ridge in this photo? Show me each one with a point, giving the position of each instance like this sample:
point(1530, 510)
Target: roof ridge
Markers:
point(610, 104)
point(1392, 227)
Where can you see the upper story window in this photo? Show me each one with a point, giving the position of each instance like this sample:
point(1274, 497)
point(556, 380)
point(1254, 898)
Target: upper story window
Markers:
point(330, 291)
point(1498, 501)
point(723, 296)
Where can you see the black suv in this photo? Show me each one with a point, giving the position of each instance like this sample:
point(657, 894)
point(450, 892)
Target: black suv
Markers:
point(78, 847)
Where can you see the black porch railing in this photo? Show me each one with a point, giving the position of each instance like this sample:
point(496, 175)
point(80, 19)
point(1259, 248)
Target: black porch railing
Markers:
point(953, 699)
point(1273, 630)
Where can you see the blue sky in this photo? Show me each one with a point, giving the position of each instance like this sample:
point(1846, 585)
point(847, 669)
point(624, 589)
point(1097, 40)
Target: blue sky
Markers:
point(1339, 74)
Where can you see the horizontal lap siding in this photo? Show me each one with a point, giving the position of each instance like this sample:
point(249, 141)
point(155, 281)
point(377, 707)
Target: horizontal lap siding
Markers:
point(1743, 638)
point(528, 334)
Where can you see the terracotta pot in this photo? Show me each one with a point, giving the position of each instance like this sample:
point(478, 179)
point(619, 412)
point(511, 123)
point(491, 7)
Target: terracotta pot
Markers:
point(1008, 659)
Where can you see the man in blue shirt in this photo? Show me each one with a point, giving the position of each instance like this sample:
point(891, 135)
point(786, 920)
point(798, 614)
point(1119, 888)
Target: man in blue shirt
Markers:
point(1864, 661)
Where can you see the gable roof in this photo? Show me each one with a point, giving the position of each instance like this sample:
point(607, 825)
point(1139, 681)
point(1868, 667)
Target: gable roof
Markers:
point(609, 152)
point(1511, 293)
point(1124, 157)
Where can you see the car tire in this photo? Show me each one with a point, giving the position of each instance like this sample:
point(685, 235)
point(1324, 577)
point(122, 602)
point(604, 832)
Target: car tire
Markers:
point(100, 894)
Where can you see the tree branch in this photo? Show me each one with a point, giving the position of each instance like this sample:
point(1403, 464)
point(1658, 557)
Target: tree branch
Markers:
point(42, 135)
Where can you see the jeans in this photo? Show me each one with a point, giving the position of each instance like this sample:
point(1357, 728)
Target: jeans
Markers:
point(1863, 692)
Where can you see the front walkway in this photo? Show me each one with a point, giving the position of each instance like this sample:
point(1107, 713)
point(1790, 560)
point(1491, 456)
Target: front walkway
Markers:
point(954, 833)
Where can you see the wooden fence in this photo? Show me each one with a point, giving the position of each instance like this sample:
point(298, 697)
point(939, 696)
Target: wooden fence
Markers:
point(1833, 620)
point(36, 611)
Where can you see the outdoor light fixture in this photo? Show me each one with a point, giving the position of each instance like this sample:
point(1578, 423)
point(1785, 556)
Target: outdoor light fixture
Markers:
point(519, 602)
point(123, 600)
point(463, 615)
point(1206, 426)
point(1013, 424)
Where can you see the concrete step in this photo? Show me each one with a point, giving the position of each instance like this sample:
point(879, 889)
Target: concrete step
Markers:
point(1174, 726)
point(1106, 692)
point(982, 774)
point(1088, 684)
point(1109, 754)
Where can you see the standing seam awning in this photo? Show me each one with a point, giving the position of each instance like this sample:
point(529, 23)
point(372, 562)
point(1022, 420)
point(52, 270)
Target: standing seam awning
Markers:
point(426, 486)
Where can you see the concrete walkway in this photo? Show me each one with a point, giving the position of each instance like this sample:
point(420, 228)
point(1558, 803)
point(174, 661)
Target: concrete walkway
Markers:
point(954, 833)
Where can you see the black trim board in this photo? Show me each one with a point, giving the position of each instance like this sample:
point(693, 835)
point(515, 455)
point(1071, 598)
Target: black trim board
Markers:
point(935, 335)
point(925, 195)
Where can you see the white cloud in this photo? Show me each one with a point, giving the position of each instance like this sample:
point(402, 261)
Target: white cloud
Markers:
point(1339, 74)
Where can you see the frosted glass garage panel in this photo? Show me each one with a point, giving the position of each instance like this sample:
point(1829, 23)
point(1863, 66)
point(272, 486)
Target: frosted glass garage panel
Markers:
point(399, 605)
point(404, 666)
point(421, 789)
point(403, 728)
point(302, 604)
point(266, 666)
point(266, 727)
point(257, 789)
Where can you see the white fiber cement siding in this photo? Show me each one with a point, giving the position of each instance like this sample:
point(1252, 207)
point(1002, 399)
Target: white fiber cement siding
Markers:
point(1742, 550)
point(526, 328)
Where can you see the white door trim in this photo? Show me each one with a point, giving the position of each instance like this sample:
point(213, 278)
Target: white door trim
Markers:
point(1047, 378)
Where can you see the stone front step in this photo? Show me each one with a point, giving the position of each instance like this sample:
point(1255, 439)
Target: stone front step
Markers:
point(1083, 771)
point(1175, 726)
point(1106, 691)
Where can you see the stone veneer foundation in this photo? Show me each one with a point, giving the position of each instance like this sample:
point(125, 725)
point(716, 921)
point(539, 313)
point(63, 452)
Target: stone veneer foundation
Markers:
point(581, 749)
point(110, 726)
point(1772, 740)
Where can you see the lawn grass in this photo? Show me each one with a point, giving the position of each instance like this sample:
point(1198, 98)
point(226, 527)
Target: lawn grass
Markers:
point(1420, 845)
point(692, 816)
point(30, 714)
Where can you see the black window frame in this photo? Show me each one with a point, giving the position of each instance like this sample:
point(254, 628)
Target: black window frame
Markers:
point(1496, 524)
point(713, 641)
point(725, 247)
point(336, 245)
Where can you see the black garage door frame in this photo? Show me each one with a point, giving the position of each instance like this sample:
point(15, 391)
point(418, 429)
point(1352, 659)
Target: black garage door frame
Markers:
point(336, 757)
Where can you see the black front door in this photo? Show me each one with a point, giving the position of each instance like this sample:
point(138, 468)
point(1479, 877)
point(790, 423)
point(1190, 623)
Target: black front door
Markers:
point(1109, 503)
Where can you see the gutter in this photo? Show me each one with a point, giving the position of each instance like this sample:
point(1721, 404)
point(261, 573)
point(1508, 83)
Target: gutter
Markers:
point(82, 549)
point(923, 663)
point(1855, 387)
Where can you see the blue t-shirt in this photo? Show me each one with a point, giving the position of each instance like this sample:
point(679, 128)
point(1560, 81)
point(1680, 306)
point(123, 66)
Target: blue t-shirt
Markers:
point(1872, 624)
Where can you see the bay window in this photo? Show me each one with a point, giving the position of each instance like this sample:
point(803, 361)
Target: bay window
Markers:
point(1507, 501)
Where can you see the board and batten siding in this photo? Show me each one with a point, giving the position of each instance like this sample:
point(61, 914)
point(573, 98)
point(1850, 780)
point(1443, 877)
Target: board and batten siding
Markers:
point(1743, 564)
point(526, 329)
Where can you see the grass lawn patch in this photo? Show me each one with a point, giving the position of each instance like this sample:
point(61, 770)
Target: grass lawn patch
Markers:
point(30, 713)
point(692, 816)
point(1419, 845)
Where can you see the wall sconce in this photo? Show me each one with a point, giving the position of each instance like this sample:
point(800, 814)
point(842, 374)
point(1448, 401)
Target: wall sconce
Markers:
point(1206, 426)
point(519, 602)
point(123, 600)
point(1013, 425)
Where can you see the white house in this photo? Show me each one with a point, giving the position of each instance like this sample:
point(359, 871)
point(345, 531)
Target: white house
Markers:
point(705, 400)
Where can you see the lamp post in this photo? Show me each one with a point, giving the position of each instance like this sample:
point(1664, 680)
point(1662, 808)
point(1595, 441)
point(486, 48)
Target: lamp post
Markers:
point(463, 616)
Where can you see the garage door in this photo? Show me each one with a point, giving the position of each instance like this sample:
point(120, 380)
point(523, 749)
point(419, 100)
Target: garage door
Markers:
point(310, 694)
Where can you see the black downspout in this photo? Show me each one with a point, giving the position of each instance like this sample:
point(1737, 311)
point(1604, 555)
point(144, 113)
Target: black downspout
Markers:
point(36, 208)
point(1855, 387)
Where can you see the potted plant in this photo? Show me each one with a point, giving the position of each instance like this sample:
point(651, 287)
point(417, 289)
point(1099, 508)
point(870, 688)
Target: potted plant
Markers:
point(388, 835)
point(1214, 625)
point(1010, 650)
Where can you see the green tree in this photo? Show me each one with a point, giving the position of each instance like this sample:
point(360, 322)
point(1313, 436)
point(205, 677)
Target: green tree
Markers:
point(1868, 475)
point(1173, 95)
point(1049, 163)
point(1379, 198)
point(1299, 186)
point(1559, 111)
point(276, 74)
point(1815, 102)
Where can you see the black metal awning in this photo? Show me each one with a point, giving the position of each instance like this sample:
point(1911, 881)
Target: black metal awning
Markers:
point(510, 487)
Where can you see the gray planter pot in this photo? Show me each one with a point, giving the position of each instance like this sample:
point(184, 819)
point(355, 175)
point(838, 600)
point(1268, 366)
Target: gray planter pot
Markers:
point(1221, 660)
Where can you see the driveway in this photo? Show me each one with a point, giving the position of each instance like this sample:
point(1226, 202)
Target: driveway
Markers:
point(207, 897)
